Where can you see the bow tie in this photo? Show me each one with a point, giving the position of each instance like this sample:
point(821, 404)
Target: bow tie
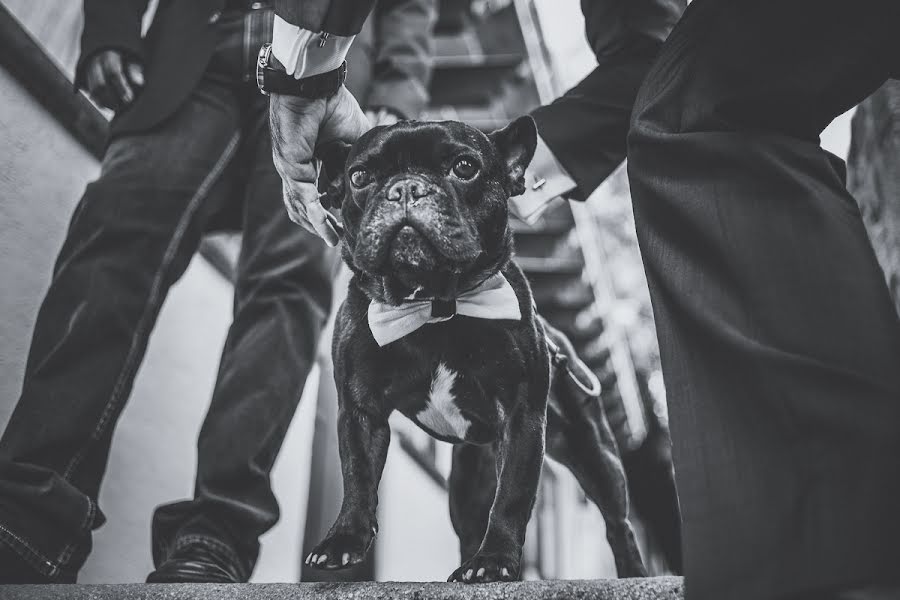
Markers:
point(493, 299)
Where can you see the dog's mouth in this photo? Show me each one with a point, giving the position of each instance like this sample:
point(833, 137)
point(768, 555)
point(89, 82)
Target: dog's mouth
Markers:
point(411, 250)
point(412, 242)
point(414, 262)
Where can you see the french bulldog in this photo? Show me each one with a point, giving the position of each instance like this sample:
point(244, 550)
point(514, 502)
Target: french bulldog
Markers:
point(439, 323)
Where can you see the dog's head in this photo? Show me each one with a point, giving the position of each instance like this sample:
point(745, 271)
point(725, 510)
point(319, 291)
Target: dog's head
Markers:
point(424, 205)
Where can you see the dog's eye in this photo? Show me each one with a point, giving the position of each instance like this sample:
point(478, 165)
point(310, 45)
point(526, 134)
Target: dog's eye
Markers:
point(465, 168)
point(359, 178)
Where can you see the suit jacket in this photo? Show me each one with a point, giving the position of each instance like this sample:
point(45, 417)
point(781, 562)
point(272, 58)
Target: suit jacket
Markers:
point(181, 41)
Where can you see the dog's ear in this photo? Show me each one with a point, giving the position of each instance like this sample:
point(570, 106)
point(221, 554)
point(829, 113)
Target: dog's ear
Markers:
point(516, 143)
point(331, 177)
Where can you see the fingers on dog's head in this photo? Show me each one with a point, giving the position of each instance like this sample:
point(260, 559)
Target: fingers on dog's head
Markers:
point(331, 178)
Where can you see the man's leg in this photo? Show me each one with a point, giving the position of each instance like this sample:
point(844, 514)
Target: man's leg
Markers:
point(130, 238)
point(282, 299)
point(780, 346)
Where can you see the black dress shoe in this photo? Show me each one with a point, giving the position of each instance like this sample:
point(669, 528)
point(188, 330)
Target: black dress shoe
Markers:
point(198, 563)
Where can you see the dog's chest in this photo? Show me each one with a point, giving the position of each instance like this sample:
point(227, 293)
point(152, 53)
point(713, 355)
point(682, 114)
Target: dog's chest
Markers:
point(454, 379)
point(441, 414)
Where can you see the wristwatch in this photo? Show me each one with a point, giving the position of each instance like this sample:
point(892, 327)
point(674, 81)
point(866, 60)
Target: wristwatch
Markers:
point(274, 81)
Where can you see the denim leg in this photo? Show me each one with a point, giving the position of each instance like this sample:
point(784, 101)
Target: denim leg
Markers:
point(283, 296)
point(130, 238)
point(779, 342)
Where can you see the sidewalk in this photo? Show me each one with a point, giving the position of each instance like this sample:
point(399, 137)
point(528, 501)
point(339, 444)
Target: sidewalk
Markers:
point(655, 588)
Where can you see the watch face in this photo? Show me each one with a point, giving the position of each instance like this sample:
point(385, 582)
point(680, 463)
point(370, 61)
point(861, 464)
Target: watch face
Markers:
point(262, 62)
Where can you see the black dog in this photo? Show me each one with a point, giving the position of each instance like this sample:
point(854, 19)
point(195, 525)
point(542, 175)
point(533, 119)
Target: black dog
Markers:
point(440, 324)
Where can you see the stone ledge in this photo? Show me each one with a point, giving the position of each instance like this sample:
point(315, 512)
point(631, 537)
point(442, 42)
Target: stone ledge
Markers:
point(653, 588)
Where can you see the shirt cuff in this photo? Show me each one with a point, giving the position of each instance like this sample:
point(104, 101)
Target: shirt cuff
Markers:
point(545, 179)
point(302, 52)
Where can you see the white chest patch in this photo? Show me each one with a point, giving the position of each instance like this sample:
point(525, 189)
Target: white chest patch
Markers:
point(441, 415)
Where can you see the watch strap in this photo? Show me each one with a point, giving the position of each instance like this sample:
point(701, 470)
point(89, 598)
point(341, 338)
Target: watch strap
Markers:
point(275, 81)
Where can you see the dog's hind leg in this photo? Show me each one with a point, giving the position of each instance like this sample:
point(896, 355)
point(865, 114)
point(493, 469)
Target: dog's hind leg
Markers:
point(586, 446)
point(582, 440)
point(473, 485)
point(579, 436)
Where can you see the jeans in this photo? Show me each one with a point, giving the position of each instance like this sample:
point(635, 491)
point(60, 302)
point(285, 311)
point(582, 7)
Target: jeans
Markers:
point(130, 238)
point(779, 342)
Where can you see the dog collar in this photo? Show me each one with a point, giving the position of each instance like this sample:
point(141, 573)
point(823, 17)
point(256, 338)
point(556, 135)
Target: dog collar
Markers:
point(493, 299)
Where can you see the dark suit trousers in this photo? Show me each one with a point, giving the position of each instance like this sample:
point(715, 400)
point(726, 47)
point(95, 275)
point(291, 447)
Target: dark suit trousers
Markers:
point(779, 342)
point(131, 237)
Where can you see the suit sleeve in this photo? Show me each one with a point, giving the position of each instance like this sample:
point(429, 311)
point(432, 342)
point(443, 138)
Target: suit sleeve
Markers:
point(586, 128)
point(337, 17)
point(110, 24)
point(404, 52)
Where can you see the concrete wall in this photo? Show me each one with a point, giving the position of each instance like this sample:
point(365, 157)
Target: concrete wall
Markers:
point(42, 174)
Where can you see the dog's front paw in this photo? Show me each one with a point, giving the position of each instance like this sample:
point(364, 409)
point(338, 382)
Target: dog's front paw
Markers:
point(485, 567)
point(341, 550)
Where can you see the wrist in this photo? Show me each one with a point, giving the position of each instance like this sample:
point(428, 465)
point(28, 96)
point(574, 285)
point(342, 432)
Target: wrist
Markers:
point(271, 80)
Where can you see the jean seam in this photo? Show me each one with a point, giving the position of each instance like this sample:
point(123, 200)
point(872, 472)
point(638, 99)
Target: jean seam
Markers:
point(28, 553)
point(129, 366)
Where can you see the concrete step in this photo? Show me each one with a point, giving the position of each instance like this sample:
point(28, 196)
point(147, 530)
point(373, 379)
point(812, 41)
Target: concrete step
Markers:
point(653, 588)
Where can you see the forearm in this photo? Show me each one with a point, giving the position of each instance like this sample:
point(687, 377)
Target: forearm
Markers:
point(611, 26)
point(586, 127)
point(313, 36)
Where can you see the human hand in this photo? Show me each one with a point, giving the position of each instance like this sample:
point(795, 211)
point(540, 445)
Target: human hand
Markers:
point(298, 126)
point(113, 80)
point(381, 116)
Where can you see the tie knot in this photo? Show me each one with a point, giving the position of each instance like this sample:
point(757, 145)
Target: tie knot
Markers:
point(443, 309)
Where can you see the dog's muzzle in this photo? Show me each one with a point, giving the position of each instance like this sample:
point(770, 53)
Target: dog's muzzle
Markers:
point(415, 225)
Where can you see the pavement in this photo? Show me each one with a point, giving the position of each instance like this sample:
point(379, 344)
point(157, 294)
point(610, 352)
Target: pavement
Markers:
point(652, 588)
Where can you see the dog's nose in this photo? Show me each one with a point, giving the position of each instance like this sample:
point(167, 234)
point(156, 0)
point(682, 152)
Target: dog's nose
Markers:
point(408, 189)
